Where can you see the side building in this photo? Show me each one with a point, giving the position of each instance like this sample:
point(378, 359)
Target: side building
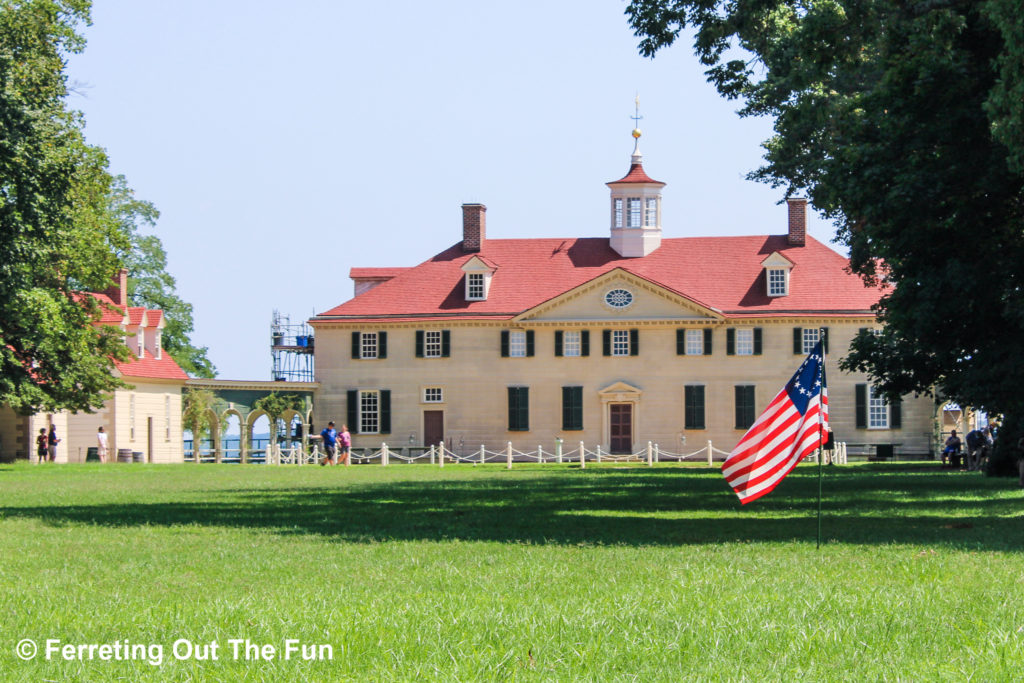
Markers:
point(613, 341)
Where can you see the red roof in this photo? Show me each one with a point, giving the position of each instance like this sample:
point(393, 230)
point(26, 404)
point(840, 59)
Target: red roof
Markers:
point(135, 314)
point(722, 273)
point(636, 175)
point(151, 368)
point(375, 273)
point(110, 313)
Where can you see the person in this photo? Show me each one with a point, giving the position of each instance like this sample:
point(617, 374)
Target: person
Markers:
point(52, 442)
point(977, 448)
point(952, 450)
point(345, 446)
point(101, 443)
point(330, 438)
point(42, 444)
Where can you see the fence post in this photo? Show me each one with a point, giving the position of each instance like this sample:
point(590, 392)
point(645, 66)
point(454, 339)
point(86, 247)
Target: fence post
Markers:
point(657, 453)
point(508, 455)
point(384, 455)
point(650, 455)
point(440, 452)
point(598, 452)
point(540, 453)
point(583, 457)
point(558, 451)
point(481, 455)
point(432, 455)
point(710, 463)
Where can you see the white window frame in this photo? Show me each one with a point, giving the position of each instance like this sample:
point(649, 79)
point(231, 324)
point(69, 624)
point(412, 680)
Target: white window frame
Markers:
point(369, 411)
point(620, 342)
point(651, 212)
point(635, 212)
point(432, 344)
point(572, 343)
point(140, 337)
point(809, 337)
point(517, 344)
point(433, 394)
point(744, 341)
point(778, 281)
point(158, 344)
point(878, 410)
point(617, 212)
point(694, 342)
point(369, 345)
point(476, 288)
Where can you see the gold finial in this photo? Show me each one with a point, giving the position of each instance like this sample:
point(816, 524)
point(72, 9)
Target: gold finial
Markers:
point(636, 119)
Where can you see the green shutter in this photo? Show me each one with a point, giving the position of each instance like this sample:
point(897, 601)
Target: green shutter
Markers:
point(730, 342)
point(606, 341)
point(634, 342)
point(585, 343)
point(896, 414)
point(385, 411)
point(356, 338)
point(738, 401)
point(824, 339)
point(798, 340)
point(693, 396)
point(518, 409)
point(529, 342)
point(572, 408)
point(680, 342)
point(446, 343)
point(419, 343)
point(744, 406)
point(861, 406)
point(707, 341)
point(504, 343)
point(758, 341)
point(558, 342)
point(382, 345)
point(353, 411)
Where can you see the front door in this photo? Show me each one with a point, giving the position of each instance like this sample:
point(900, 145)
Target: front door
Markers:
point(433, 427)
point(621, 421)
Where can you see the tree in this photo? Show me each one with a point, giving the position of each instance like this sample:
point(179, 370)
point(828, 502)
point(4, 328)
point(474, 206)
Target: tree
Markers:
point(56, 236)
point(197, 405)
point(904, 124)
point(149, 283)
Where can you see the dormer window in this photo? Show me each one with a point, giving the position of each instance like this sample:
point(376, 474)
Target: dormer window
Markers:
point(141, 341)
point(635, 214)
point(651, 215)
point(479, 272)
point(776, 274)
point(617, 210)
point(157, 344)
point(777, 282)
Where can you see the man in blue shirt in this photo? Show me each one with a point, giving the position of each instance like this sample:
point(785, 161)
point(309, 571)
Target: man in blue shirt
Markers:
point(330, 439)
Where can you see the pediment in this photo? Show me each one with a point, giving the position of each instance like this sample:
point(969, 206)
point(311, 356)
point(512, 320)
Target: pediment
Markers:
point(620, 388)
point(478, 264)
point(649, 301)
point(776, 260)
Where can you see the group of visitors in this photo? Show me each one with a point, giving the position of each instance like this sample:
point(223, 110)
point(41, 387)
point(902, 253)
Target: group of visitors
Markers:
point(337, 445)
point(979, 446)
point(46, 444)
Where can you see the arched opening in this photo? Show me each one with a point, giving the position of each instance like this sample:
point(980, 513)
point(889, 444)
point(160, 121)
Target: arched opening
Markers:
point(259, 438)
point(231, 437)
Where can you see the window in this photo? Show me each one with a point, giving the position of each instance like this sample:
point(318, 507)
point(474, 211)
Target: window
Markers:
point(571, 343)
point(131, 419)
point(745, 342)
point(810, 338)
point(517, 344)
point(744, 406)
point(140, 337)
point(369, 345)
point(651, 219)
point(777, 282)
point(694, 342)
point(878, 410)
point(433, 395)
point(158, 344)
point(369, 412)
point(432, 344)
point(167, 417)
point(475, 286)
point(620, 342)
point(634, 212)
point(572, 408)
point(693, 406)
point(617, 209)
point(518, 409)
point(804, 339)
point(618, 298)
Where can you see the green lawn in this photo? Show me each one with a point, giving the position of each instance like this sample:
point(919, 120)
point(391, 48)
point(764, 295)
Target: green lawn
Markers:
point(540, 573)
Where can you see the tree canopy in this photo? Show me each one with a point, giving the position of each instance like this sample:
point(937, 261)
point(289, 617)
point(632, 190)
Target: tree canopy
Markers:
point(903, 122)
point(66, 227)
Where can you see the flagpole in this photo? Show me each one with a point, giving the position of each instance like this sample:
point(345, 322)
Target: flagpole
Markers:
point(821, 423)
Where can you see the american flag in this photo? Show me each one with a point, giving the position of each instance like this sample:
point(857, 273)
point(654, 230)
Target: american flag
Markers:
point(788, 430)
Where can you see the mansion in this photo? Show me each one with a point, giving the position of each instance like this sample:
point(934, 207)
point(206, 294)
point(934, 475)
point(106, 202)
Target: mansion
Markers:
point(613, 341)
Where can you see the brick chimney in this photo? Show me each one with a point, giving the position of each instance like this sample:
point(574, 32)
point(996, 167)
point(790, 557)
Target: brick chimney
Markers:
point(474, 223)
point(118, 292)
point(797, 221)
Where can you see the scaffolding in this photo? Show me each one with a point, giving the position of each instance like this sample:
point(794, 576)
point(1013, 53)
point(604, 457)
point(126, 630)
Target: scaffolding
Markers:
point(291, 346)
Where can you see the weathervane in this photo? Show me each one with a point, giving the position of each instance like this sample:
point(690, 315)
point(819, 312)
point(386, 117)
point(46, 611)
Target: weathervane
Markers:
point(636, 123)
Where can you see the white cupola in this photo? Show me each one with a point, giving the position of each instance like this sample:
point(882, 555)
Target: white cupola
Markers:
point(635, 208)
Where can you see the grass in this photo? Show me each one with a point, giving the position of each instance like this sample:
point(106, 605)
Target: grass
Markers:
point(540, 573)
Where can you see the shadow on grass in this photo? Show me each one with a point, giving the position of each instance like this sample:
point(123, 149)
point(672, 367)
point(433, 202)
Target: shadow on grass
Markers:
point(602, 506)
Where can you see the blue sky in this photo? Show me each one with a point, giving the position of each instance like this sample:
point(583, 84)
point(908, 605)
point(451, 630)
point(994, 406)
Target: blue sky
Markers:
point(286, 143)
